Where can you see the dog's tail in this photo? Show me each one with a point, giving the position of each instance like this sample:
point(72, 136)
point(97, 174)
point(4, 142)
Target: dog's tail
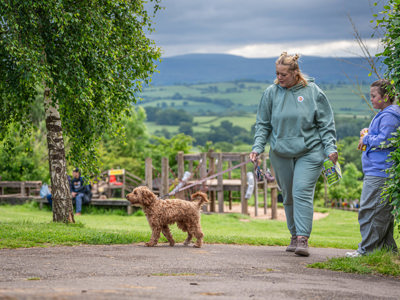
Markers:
point(200, 198)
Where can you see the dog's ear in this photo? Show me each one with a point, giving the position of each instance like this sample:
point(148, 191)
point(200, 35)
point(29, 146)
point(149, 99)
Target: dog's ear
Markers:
point(148, 197)
point(201, 196)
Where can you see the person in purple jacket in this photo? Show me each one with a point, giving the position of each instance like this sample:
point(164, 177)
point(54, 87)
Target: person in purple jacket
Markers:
point(375, 217)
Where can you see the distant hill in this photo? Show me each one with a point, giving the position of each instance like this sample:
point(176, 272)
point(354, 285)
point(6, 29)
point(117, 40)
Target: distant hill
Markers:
point(203, 68)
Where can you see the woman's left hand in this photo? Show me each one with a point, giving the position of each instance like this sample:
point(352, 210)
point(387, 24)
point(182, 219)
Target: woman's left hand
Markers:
point(333, 157)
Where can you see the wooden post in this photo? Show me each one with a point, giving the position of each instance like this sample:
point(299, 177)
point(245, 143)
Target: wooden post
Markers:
point(326, 192)
point(274, 209)
point(243, 179)
point(203, 166)
point(211, 163)
point(181, 165)
point(108, 186)
point(220, 188)
point(274, 200)
point(255, 192)
point(164, 176)
point(148, 173)
point(123, 185)
point(211, 198)
point(230, 177)
point(203, 173)
point(211, 171)
point(181, 171)
point(265, 184)
point(23, 192)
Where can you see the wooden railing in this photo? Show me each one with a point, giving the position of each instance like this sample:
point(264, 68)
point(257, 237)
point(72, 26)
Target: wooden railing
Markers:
point(22, 188)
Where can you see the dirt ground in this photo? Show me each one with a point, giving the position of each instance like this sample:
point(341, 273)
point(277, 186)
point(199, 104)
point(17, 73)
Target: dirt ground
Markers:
point(236, 208)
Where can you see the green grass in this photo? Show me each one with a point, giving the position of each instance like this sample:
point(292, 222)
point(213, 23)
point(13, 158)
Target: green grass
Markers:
point(205, 123)
point(378, 262)
point(27, 226)
point(246, 96)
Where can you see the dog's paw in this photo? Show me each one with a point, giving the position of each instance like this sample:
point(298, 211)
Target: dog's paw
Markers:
point(196, 246)
point(149, 244)
point(172, 244)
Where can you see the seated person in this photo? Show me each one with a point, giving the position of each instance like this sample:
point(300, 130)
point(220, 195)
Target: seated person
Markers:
point(45, 192)
point(80, 192)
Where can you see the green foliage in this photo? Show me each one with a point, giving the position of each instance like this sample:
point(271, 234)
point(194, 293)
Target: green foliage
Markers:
point(392, 185)
point(129, 152)
point(226, 132)
point(23, 157)
point(162, 147)
point(92, 55)
point(349, 151)
point(346, 126)
point(349, 187)
point(390, 23)
point(186, 128)
point(168, 116)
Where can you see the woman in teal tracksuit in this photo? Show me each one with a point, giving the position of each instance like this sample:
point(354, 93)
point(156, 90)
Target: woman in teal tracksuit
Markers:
point(295, 117)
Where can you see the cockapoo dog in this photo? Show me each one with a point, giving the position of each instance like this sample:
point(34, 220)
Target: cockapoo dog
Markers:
point(161, 213)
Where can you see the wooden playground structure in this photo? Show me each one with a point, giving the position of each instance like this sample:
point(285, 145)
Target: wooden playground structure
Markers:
point(113, 185)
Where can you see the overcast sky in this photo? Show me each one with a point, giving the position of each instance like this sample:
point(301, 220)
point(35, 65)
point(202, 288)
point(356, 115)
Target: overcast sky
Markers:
point(264, 28)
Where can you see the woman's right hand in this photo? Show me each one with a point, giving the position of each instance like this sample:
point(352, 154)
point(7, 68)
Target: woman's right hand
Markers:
point(360, 143)
point(364, 131)
point(253, 156)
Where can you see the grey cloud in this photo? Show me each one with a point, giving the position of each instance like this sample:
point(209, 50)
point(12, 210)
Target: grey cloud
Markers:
point(236, 22)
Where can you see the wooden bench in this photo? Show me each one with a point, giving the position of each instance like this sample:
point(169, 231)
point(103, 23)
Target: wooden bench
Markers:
point(18, 200)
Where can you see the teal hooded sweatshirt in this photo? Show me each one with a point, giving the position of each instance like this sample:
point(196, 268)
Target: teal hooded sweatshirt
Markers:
point(294, 120)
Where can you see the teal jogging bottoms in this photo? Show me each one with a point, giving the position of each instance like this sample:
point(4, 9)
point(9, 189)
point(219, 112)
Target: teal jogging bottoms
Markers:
point(297, 178)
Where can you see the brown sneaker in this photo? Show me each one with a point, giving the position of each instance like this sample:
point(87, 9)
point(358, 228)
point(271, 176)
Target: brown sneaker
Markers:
point(293, 244)
point(302, 246)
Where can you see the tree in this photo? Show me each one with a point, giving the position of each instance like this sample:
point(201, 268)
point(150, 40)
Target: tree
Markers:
point(390, 23)
point(162, 147)
point(90, 58)
point(130, 152)
point(186, 128)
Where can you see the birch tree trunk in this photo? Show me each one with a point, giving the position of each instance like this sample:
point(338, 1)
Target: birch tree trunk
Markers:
point(60, 190)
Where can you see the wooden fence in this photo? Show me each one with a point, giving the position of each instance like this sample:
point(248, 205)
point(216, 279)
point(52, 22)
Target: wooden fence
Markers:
point(206, 164)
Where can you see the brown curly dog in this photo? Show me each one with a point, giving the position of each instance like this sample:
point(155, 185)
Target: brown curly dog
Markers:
point(161, 213)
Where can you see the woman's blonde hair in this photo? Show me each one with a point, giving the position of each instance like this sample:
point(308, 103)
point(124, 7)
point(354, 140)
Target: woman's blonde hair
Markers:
point(292, 62)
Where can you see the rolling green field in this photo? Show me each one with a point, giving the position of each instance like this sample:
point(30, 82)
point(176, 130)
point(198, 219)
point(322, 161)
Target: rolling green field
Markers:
point(237, 102)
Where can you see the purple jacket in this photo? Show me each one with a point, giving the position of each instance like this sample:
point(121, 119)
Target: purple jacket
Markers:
point(380, 130)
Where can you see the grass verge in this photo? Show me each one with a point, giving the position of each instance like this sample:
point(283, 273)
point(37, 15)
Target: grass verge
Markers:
point(27, 226)
point(378, 262)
